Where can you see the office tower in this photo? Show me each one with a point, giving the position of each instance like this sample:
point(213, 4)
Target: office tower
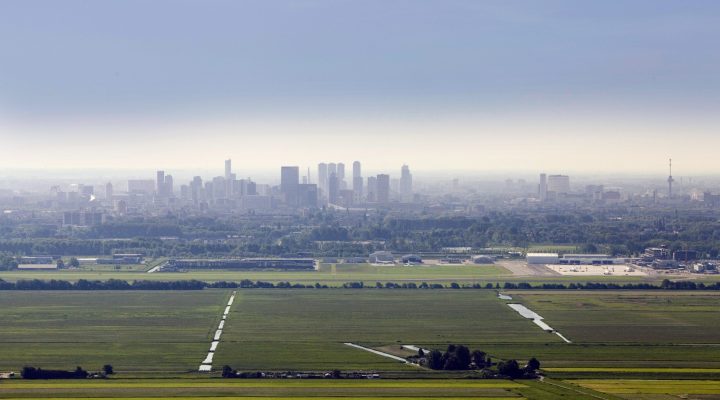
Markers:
point(333, 188)
point(160, 183)
point(228, 169)
point(332, 169)
point(357, 183)
point(558, 184)
point(169, 189)
point(196, 188)
point(670, 181)
point(218, 188)
point(406, 194)
point(341, 176)
point(357, 173)
point(322, 178)
point(289, 181)
point(371, 189)
point(307, 195)
point(251, 189)
point(383, 188)
point(109, 191)
point(542, 188)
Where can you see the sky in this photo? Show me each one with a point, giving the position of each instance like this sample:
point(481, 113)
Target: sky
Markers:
point(556, 86)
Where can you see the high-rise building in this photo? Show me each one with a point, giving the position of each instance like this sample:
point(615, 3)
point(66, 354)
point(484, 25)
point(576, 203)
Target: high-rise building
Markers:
point(109, 191)
point(160, 183)
point(542, 188)
point(332, 169)
point(228, 169)
point(289, 181)
point(333, 189)
point(357, 183)
point(341, 171)
point(406, 193)
point(322, 178)
point(196, 190)
point(371, 189)
point(218, 188)
point(670, 181)
point(307, 195)
point(169, 188)
point(383, 188)
point(558, 184)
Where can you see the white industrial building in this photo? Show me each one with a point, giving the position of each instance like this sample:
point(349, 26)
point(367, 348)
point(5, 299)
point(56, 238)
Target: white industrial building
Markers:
point(542, 258)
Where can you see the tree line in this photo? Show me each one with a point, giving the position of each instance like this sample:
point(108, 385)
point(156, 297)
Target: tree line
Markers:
point(119, 284)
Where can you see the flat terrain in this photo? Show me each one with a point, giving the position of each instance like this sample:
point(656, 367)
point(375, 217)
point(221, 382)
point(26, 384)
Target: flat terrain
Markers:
point(306, 329)
point(134, 331)
point(328, 273)
point(638, 329)
point(259, 389)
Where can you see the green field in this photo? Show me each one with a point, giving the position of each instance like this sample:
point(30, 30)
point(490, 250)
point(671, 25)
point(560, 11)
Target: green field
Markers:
point(306, 329)
point(328, 273)
point(134, 331)
point(655, 389)
point(627, 336)
point(639, 329)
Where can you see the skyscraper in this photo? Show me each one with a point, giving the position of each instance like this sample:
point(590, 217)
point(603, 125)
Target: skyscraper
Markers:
point(357, 183)
point(670, 181)
point(228, 169)
point(542, 188)
point(333, 189)
point(559, 184)
point(406, 193)
point(109, 191)
point(169, 186)
point(383, 188)
point(289, 181)
point(160, 183)
point(322, 178)
point(371, 189)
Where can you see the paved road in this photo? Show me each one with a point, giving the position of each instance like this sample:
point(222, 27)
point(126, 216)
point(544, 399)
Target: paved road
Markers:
point(522, 268)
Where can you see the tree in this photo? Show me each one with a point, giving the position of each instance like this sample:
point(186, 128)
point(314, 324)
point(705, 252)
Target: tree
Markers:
point(108, 369)
point(74, 262)
point(532, 365)
point(435, 360)
point(421, 353)
point(227, 371)
point(479, 358)
point(509, 368)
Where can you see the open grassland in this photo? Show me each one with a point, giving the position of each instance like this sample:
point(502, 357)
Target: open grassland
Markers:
point(265, 389)
point(648, 317)
point(306, 329)
point(655, 389)
point(329, 274)
point(616, 329)
point(133, 331)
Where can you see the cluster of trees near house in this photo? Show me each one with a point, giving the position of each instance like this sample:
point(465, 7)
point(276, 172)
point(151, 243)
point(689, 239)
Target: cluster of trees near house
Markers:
point(78, 373)
point(460, 358)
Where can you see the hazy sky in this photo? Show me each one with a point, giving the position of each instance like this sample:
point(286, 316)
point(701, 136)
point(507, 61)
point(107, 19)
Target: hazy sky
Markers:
point(559, 86)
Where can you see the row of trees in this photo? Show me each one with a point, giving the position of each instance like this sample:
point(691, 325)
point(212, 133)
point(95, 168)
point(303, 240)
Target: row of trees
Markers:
point(78, 373)
point(118, 284)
